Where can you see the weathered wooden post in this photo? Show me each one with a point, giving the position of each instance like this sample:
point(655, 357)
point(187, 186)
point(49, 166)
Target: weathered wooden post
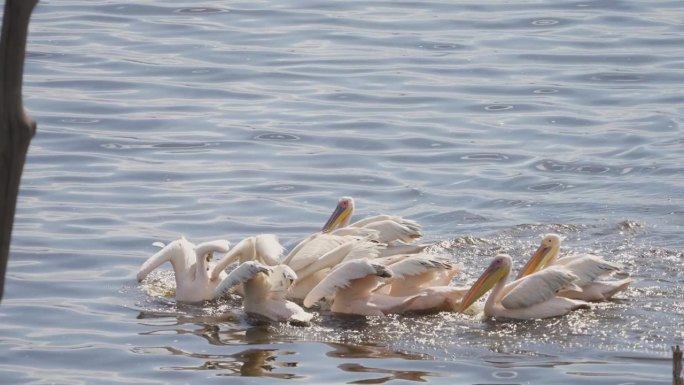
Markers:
point(677, 366)
point(16, 127)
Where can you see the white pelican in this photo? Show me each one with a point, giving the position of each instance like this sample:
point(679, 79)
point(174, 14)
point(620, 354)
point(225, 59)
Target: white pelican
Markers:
point(396, 231)
point(590, 270)
point(264, 291)
point(427, 277)
point(351, 286)
point(531, 297)
point(189, 262)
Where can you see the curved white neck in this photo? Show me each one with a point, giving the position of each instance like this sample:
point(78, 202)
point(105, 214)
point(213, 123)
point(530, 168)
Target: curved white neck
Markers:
point(200, 267)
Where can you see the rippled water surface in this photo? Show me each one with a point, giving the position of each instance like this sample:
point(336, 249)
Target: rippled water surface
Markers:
point(489, 122)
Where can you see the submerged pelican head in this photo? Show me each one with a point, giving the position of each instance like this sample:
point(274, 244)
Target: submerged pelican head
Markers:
point(498, 269)
point(341, 216)
point(543, 256)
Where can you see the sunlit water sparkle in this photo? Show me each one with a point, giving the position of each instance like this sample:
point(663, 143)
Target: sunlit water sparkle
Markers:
point(490, 123)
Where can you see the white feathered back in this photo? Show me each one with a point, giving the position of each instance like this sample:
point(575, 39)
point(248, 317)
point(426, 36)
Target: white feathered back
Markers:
point(538, 287)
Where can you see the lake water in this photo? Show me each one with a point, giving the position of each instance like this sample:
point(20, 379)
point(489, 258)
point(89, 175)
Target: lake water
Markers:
point(489, 122)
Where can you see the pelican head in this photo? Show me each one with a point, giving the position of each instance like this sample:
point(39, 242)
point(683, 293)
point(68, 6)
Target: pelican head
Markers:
point(545, 253)
point(282, 277)
point(341, 216)
point(498, 269)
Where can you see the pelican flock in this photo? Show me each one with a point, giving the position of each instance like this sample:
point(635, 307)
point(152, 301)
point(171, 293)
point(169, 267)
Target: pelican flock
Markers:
point(375, 267)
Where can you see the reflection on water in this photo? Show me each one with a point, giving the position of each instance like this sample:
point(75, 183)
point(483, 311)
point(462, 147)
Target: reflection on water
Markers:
point(341, 350)
point(392, 374)
point(265, 356)
point(248, 363)
point(259, 363)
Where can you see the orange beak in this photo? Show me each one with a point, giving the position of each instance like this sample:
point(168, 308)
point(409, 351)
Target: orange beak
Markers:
point(487, 280)
point(536, 262)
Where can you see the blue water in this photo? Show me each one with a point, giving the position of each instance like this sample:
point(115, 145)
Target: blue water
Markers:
point(488, 122)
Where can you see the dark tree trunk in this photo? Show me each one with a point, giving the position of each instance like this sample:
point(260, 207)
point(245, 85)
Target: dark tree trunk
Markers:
point(677, 366)
point(16, 127)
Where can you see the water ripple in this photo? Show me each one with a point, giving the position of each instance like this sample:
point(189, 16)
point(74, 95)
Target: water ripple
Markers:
point(490, 123)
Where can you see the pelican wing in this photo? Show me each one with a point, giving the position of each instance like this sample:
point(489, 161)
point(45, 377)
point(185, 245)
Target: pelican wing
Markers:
point(354, 248)
point(589, 267)
point(362, 232)
point(342, 277)
point(568, 259)
point(390, 231)
point(269, 249)
point(315, 246)
point(538, 287)
point(411, 274)
point(241, 274)
point(377, 218)
point(417, 265)
point(392, 228)
point(330, 259)
point(365, 221)
point(403, 248)
point(362, 248)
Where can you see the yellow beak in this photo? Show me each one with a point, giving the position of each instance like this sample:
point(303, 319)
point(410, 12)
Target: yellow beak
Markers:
point(338, 216)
